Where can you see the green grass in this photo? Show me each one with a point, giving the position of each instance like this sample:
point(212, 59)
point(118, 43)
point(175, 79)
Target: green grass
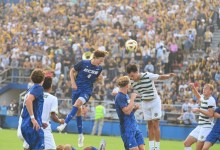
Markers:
point(9, 141)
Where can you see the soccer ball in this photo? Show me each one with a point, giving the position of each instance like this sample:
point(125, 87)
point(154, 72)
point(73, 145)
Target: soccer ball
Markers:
point(131, 45)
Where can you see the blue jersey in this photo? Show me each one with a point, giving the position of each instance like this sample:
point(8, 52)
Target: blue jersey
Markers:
point(216, 127)
point(37, 91)
point(127, 122)
point(87, 75)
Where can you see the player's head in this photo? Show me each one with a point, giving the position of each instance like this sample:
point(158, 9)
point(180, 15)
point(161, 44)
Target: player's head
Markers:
point(37, 76)
point(47, 83)
point(65, 147)
point(207, 90)
point(99, 57)
point(123, 81)
point(132, 71)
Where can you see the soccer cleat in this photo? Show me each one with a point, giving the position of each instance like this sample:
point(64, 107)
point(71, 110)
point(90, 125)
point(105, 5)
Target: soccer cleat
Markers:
point(80, 141)
point(102, 145)
point(61, 127)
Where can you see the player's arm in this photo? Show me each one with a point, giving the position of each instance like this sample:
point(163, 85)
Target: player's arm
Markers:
point(128, 109)
point(72, 74)
point(29, 106)
point(195, 92)
point(217, 113)
point(55, 118)
point(208, 113)
point(166, 76)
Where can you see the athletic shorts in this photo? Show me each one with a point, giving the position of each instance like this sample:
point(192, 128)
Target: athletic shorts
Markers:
point(213, 137)
point(79, 94)
point(49, 139)
point(200, 133)
point(132, 139)
point(35, 139)
point(152, 109)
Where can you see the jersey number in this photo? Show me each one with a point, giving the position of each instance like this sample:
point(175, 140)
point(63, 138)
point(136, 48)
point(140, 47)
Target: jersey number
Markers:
point(89, 76)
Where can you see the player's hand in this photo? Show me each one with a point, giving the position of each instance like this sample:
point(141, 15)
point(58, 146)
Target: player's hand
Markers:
point(133, 96)
point(195, 110)
point(62, 121)
point(74, 86)
point(191, 84)
point(45, 125)
point(172, 75)
point(35, 124)
point(137, 106)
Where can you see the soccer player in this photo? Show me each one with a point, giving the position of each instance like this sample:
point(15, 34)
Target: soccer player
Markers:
point(50, 109)
point(214, 135)
point(143, 84)
point(125, 107)
point(88, 72)
point(69, 147)
point(206, 112)
point(31, 125)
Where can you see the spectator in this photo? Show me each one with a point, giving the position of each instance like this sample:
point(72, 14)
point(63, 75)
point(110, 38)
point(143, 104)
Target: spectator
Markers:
point(189, 117)
point(3, 113)
point(99, 119)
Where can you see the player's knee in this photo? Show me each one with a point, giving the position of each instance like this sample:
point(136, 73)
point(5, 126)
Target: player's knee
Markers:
point(186, 144)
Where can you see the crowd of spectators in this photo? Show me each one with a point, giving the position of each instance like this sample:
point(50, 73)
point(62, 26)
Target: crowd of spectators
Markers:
point(55, 34)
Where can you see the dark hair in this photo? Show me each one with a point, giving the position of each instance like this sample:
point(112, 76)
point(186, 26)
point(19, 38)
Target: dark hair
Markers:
point(99, 53)
point(47, 83)
point(131, 68)
point(37, 76)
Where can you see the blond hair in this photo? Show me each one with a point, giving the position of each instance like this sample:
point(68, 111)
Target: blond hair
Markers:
point(123, 81)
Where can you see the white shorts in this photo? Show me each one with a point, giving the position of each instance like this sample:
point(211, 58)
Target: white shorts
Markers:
point(200, 133)
point(48, 139)
point(152, 109)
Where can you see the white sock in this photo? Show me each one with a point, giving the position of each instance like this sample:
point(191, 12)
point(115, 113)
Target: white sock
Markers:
point(157, 145)
point(187, 148)
point(80, 135)
point(151, 145)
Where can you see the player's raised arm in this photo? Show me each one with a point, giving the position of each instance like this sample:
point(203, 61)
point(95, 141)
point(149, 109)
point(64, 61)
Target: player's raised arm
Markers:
point(166, 76)
point(195, 92)
point(128, 109)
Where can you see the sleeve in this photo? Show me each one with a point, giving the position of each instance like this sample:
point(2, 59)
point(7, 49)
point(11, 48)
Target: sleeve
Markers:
point(54, 107)
point(152, 76)
point(36, 91)
point(78, 66)
point(212, 103)
point(121, 102)
point(218, 110)
point(99, 71)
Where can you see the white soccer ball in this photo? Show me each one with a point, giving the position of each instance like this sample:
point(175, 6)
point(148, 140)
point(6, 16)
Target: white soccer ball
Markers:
point(131, 45)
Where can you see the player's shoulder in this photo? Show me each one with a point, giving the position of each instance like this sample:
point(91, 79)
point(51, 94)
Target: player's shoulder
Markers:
point(50, 96)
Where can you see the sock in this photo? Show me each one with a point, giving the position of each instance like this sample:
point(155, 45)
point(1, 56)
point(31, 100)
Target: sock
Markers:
point(80, 135)
point(71, 114)
point(187, 148)
point(151, 145)
point(157, 145)
point(79, 124)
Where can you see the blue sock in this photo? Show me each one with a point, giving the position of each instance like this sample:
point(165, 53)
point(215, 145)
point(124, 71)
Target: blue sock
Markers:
point(71, 114)
point(79, 124)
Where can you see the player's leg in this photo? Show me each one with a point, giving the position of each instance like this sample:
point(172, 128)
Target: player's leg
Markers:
point(148, 116)
point(156, 114)
point(49, 139)
point(207, 145)
point(140, 140)
point(204, 132)
point(191, 139)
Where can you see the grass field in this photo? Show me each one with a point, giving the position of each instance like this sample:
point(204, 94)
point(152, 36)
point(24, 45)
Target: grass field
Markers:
point(9, 141)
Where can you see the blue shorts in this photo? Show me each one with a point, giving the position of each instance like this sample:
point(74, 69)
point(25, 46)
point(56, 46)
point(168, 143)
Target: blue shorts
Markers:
point(132, 139)
point(93, 148)
point(34, 138)
point(213, 137)
point(79, 94)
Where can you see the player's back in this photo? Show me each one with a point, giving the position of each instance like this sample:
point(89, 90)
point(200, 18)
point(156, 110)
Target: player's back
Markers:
point(37, 91)
point(87, 74)
point(217, 123)
point(50, 105)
